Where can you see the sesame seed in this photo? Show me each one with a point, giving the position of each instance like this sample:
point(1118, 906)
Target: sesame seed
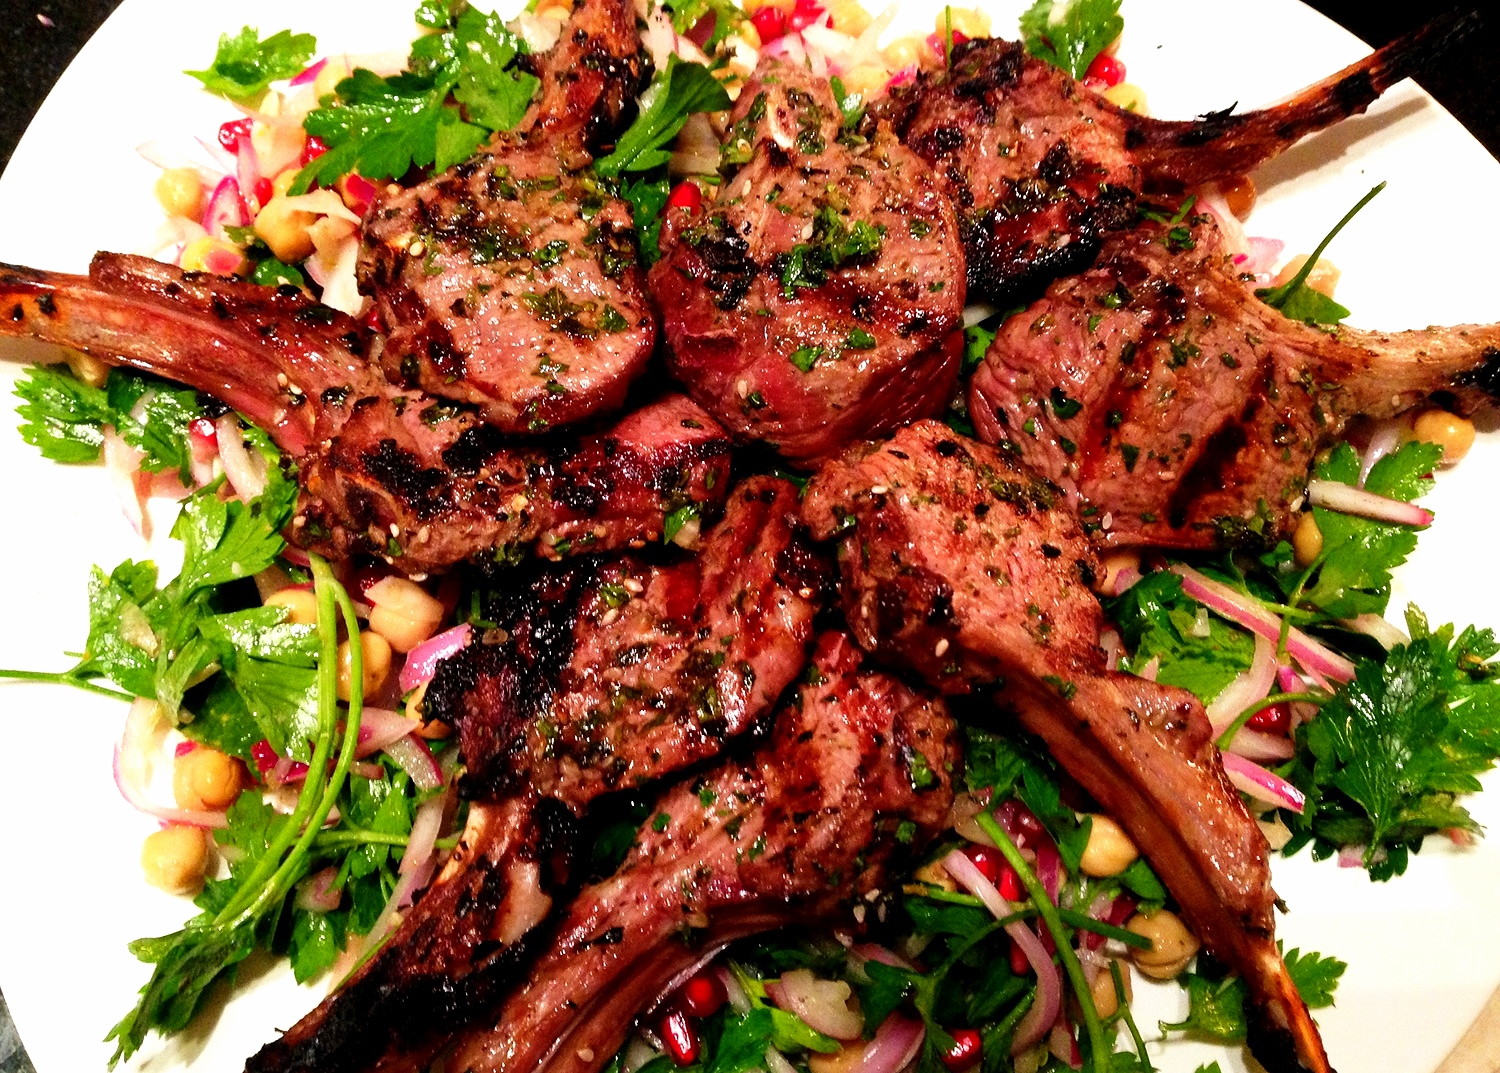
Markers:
point(395, 530)
point(940, 648)
point(631, 585)
point(878, 489)
point(609, 616)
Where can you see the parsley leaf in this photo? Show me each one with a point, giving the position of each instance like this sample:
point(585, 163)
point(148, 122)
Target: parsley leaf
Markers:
point(1216, 1005)
point(1358, 553)
point(1316, 977)
point(245, 65)
point(977, 340)
point(1298, 301)
point(1385, 759)
point(1070, 33)
point(675, 94)
point(647, 198)
point(383, 127)
point(1199, 652)
point(726, 16)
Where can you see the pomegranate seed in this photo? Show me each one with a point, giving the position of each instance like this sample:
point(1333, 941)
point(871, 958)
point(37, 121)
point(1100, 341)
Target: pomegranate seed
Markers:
point(703, 995)
point(184, 747)
point(1106, 69)
point(1277, 719)
point(967, 1049)
point(987, 860)
point(936, 41)
point(804, 15)
point(770, 23)
point(686, 194)
point(374, 321)
point(203, 429)
point(231, 133)
point(1010, 884)
point(1021, 824)
point(313, 148)
point(1098, 85)
point(1020, 964)
point(1120, 910)
point(264, 756)
point(680, 1038)
point(264, 191)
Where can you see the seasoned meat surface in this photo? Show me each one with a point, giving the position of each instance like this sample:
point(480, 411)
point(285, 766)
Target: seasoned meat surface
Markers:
point(785, 837)
point(1178, 410)
point(599, 674)
point(818, 298)
point(512, 284)
point(1040, 168)
point(386, 472)
point(510, 281)
point(961, 564)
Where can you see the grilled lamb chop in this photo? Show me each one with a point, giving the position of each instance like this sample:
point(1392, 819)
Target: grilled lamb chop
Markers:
point(1178, 410)
point(818, 299)
point(1040, 168)
point(784, 838)
point(510, 281)
point(397, 474)
point(612, 673)
point(959, 563)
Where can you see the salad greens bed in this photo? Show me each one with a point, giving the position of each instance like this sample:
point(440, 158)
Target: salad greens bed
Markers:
point(1381, 760)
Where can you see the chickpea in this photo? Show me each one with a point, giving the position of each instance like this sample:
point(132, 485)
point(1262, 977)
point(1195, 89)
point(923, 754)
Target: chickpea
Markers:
point(283, 182)
point(333, 72)
point(844, 1060)
point(403, 613)
point(849, 17)
point(1172, 945)
point(1114, 564)
point(904, 51)
point(1239, 194)
point(87, 368)
point(376, 652)
point(1109, 851)
point(205, 778)
point(209, 254)
point(175, 859)
point(752, 6)
point(557, 10)
point(1128, 97)
point(1307, 540)
point(179, 192)
point(866, 80)
point(965, 20)
point(1324, 277)
point(1454, 434)
point(284, 229)
point(301, 605)
point(1106, 998)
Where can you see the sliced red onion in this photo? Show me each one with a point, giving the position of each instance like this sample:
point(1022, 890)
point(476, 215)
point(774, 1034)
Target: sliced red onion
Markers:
point(823, 1004)
point(1385, 439)
point(317, 891)
point(776, 1062)
point(309, 74)
point(246, 474)
point(897, 1043)
point(1264, 253)
point(379, 727)
point(184, 816)
point(413, 757)
point(422, 661)
point(1151, 669)
point(738, 1000)
point(1288, 680)
point(901, 77)
point(1113, 645)
point(1375, 626)
point(1043, 1012)
point(426, 825)
point(1251, 686)
point(123, 464)
point(1125, 579)
point(225, 208)
point(1352, 857)
point(1263, 785)
point(1254, 745)
point(1250, 613)
point(884, 955)
point(1346, 499)
point(366, 770)
point(247, 166)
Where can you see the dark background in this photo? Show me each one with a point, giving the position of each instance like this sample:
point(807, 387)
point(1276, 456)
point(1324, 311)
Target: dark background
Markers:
point(38, 39)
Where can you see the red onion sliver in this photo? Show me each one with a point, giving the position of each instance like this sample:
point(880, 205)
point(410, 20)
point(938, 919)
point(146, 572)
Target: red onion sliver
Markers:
point(309, 74)
point(897, 1042)
point(414, 758)
point(379, 727)
point(776, 1062)
point(226, 208)
point(1254, 745)
point(137, 798)
point(246, 474)
point(1263, 785)
point(123, 464)
point(1385, 439)
point(316, 892)
point(822, 1004)
point(1043, 1012)
point(1346, 499)
point(1250, 613)
point(738, 1000)
point(1388, 634)
point(422, 661)
point(1255, 684)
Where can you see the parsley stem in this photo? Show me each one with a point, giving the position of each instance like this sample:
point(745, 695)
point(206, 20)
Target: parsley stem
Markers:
point(1261, 705)
point(1098, 1049)
point(1279, 295)
point(1124, 1004)
point(1084, 922)
point(67, 678)
point(328, 589)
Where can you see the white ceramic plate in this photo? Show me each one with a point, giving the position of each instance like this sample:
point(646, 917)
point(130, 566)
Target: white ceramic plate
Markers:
point(1423, 951)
